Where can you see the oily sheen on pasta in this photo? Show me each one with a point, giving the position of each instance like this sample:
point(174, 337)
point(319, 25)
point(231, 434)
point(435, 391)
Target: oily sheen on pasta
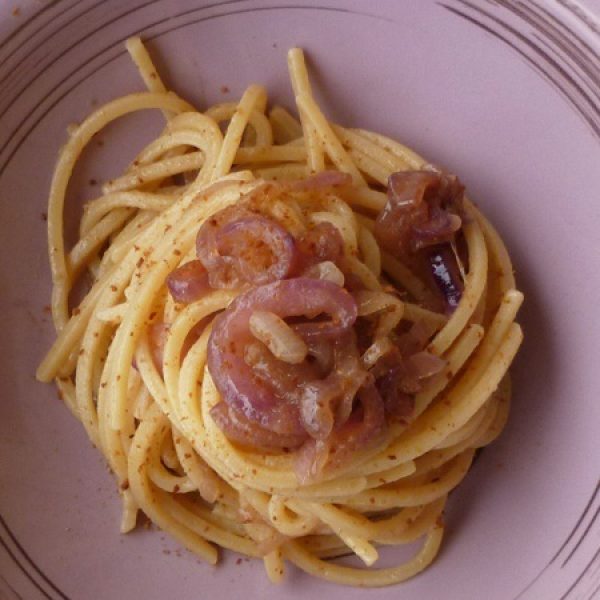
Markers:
point(296, 334)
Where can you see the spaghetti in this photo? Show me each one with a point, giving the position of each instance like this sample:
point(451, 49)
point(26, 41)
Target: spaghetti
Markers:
point(296, 337)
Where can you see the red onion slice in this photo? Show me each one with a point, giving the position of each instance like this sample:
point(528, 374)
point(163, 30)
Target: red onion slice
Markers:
point(237, 383)
point(189, 282)
point(320, 243)
point(398, 404)
point(243, 431)
point(262, 250)
point(237, 245)
point(441, 227)
point(359, 432)
point(285, 379)
point(328, 402)
point(446, 275)
point(310, 461)
point(321, 350)
point(206, 238)
point(421, 210)
point(404, 207)
point(415, 339)
point(424, 364)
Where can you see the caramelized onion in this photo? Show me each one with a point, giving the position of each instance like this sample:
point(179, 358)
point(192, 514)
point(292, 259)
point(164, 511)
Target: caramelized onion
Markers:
point(424, 364)
point(328, 402)
point(420, 211)
point(237, 245)
point(189, 282)
point(377, 350)
point(399, 376)
point(311, 460)
point(362, 430)
point(238, 385)
point(248, 433)
point(322, 352)
point(283, 378)
point(441, 226)
point(206, 238)
point(284, 356)
point(413, 340)
point(262, 250)
point(446, 274)
point(393, 366)
point(323, 242)
point(396, 385)
point(388, 307)
point(398, 404)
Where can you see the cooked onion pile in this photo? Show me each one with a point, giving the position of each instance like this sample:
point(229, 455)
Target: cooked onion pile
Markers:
point(326, 381)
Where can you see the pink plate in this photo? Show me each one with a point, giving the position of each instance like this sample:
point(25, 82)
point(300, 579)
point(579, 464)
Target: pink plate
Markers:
point(506, 93)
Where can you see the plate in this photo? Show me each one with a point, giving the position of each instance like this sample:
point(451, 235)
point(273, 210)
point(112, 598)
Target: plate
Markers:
point(505, 93)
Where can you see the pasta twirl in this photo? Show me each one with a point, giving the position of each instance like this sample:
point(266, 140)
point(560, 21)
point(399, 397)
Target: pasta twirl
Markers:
point(378, 364)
